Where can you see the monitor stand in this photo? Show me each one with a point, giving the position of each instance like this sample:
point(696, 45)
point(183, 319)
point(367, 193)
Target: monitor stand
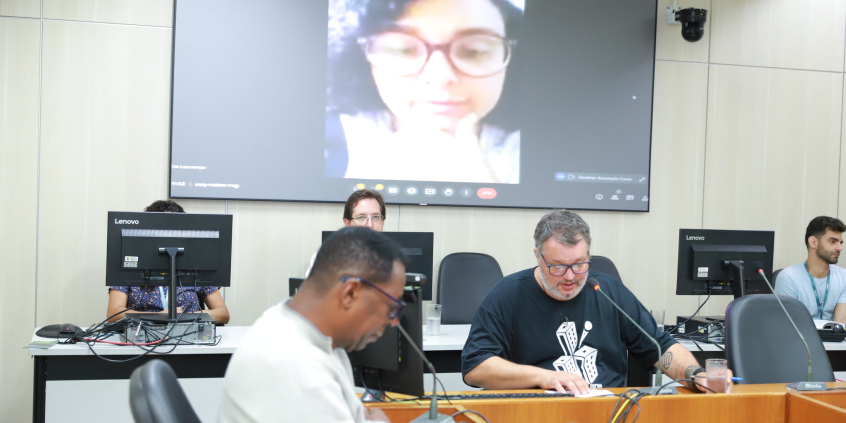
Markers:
point(738, 286)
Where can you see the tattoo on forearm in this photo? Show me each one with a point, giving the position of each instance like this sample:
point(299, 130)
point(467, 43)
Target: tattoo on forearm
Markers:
point(667, 360)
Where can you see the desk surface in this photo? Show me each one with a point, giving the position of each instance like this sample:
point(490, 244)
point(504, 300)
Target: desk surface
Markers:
point(451, 338)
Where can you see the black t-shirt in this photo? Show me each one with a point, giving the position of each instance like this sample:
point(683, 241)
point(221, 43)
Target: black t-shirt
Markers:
point(585, 335)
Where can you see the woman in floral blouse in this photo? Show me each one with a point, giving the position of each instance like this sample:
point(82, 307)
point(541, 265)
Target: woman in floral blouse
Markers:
point(151, 299)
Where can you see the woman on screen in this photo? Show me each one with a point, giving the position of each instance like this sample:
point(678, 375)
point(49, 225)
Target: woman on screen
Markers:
point(421, 90)
point(155, 299)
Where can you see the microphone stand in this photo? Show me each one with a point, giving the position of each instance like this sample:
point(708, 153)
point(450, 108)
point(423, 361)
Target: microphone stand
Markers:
point(808, 384)
point(657, 383)
point(433, 415)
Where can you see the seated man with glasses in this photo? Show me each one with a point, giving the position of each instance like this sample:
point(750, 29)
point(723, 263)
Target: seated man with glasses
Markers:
point(292, 364)
point(540, 328)
point(364, 207)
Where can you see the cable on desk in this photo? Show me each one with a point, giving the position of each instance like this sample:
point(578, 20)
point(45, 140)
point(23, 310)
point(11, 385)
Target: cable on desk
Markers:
point(473, 412)
point(676, 328)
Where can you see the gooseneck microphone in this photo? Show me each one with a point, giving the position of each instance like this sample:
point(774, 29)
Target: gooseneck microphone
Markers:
point(809, 375)
point(657, 383)
point(433, 405)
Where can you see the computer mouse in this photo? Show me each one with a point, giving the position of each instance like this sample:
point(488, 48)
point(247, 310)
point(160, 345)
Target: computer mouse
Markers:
point(69, 330)
point(834, 327)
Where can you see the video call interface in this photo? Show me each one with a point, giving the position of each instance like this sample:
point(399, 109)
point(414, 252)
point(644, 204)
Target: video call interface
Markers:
point(503, 103)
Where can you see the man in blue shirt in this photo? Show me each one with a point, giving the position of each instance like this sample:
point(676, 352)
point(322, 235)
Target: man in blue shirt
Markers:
point(817, 282)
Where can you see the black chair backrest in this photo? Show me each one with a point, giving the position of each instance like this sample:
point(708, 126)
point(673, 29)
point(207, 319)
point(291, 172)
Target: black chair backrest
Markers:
point(763, 347)
point(604, 265)
point(156, 397)
point(464, 279)
point(775, 276)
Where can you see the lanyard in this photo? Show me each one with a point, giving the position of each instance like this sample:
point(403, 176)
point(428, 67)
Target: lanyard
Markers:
point(814, 286)
point(164, 298)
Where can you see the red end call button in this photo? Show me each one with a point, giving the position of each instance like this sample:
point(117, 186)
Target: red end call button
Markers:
point(486, 193)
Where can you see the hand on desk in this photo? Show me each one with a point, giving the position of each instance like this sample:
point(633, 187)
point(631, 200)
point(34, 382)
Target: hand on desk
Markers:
point(376, 414)
point(701, 379)
point(558, 381)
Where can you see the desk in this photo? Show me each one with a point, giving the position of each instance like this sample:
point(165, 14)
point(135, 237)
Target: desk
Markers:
point(65, 375)
point(748, 404)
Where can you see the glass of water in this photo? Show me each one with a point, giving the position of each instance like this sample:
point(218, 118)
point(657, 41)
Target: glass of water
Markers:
point(715, 373)
point(433, 319)
point(658, 315)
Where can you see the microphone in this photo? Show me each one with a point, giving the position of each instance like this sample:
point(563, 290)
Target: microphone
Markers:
point(656, 385)
point(808, 384)
point(433, 405)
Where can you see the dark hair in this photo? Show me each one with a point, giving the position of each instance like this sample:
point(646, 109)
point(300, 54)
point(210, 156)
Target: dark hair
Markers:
point(361, 195)
point(356, 251)
point(819, 224)
point(351, 88)
point(167, 206)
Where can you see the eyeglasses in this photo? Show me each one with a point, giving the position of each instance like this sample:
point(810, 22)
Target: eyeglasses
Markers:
point(396, 308)
point(561, 269)
point(376, 218)
point(403, 54)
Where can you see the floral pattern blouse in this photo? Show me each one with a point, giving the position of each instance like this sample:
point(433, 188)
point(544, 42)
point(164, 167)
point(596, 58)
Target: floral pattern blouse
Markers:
point(148, 299)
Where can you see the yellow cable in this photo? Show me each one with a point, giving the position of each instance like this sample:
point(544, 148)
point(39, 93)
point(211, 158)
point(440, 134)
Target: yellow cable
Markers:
point(620, 411)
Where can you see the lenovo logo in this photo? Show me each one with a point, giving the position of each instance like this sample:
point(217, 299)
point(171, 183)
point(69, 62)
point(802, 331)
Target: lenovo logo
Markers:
point(126, 222)
point(695, 238)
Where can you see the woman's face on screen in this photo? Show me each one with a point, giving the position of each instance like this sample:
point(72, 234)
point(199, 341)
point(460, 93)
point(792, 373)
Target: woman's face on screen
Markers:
point(438, 95)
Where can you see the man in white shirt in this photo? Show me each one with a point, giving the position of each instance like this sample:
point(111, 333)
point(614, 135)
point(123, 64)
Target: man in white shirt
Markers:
point(292, 365)
point(817, 282)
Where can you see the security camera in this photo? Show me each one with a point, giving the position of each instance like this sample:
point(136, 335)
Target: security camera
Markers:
point(692, 22)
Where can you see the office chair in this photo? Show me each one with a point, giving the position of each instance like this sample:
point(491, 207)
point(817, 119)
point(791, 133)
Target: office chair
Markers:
point(156, 397)
point(775, 276)
point(763, 347)
point(464, 279)
point(604, 265)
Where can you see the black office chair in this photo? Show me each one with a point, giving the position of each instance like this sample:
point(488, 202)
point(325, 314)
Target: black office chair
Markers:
point(604, 265)
point(775, 276)
point(464, 279)
point(763, 347)
point(156, 397)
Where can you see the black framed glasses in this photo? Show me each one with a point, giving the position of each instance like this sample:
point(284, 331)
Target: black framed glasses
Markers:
point(396, 308)
point(561, 269)
point(475, 55)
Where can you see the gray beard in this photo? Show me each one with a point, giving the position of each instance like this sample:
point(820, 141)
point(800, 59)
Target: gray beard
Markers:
point(552, 289)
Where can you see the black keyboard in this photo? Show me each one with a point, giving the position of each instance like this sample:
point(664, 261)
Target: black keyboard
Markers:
point(510, 396)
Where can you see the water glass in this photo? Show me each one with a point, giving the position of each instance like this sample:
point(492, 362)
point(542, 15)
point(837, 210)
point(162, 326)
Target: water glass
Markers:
point(433, 319)
point(715, 373)
point(658, 315)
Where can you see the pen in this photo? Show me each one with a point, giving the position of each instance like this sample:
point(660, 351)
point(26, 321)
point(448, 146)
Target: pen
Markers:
point(737, 379)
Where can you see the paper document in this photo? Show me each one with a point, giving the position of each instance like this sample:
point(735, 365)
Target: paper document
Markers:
point(593, 393)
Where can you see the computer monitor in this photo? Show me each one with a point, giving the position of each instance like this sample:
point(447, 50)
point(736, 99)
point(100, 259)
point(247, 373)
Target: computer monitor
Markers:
point(142, 248)
point(418, 248)
point(720, 262)
point(390, 364)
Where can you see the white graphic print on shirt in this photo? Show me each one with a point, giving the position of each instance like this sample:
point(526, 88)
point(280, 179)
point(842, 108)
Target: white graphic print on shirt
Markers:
point(579, 359)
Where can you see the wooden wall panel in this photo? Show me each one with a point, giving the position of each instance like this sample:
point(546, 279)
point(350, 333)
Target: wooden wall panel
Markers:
point(773, 152)
point(793, 34)
point(19, 41)
point(134, 12)
point(669, 44)
point(21, 8)
point(104, 147)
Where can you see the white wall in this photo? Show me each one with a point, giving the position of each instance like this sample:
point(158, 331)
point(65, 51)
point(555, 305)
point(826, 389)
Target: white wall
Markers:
point(747, 134)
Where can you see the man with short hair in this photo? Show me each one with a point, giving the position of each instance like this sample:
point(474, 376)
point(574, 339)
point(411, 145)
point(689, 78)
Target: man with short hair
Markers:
point(292, 364)
point(366, 208)
point(540, 328)
point(817, 282)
